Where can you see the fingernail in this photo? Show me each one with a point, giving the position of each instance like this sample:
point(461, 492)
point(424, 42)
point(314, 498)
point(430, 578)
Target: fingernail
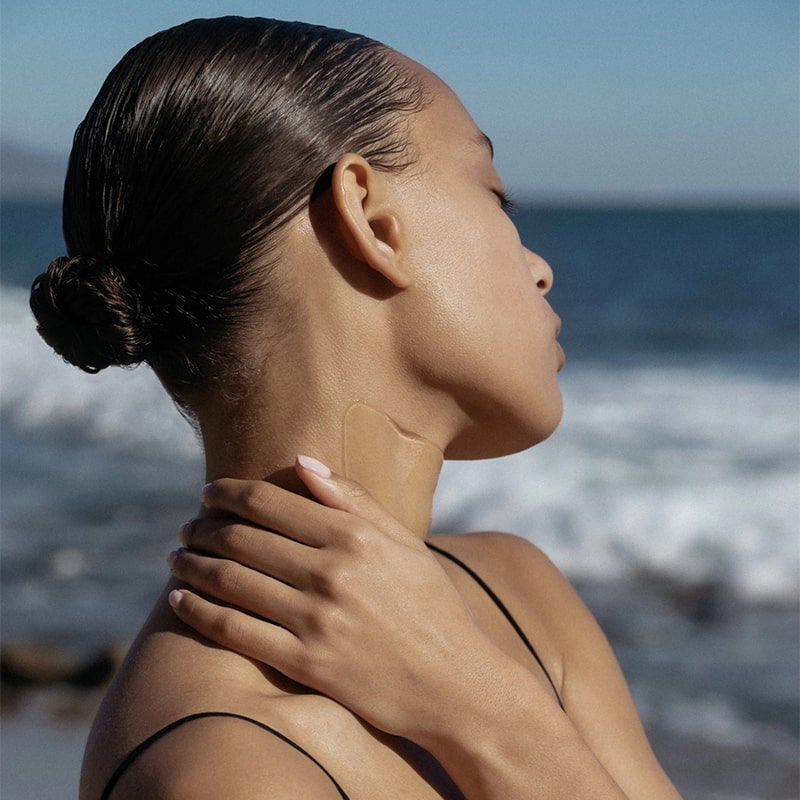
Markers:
point(173, 556)
point(312, 465)
point(184, 530)
point(175, 598)
point(204, 491)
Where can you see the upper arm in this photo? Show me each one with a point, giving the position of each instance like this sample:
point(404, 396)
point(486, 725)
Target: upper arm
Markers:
point(223, 757)
point(595, 693)
point(593, 689)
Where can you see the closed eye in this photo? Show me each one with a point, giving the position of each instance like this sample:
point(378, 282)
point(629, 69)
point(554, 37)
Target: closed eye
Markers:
point(506, 203)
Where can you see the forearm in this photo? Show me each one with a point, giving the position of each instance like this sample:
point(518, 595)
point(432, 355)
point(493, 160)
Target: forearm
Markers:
point(504, 738)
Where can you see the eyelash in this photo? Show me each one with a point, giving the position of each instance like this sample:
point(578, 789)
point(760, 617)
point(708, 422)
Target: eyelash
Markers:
point(506, 203)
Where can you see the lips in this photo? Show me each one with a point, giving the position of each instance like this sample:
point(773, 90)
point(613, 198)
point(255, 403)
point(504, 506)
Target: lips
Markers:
point(561, 357)
point(559, 349)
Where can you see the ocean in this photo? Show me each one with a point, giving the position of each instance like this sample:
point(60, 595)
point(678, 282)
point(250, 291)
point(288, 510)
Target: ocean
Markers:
point(670, 494)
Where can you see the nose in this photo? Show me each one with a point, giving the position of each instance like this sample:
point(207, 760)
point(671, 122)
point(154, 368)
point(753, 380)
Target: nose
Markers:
point(540, 270)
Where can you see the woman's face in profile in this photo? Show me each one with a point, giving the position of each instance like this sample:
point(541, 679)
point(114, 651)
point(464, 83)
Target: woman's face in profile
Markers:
point(486, 330)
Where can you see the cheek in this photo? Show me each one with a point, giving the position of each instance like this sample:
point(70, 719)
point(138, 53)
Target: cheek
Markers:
point(485, 336)
point(479, 298)
point(469, 274)
point(484, 342)
point(480, 328)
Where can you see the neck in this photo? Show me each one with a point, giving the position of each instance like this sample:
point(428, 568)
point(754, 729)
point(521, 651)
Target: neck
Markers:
point(398, 468)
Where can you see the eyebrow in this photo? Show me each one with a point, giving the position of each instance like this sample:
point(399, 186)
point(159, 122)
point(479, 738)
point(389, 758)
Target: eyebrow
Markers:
point(483, 140)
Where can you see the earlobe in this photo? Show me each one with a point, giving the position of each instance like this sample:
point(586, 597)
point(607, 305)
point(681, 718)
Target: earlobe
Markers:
point(368, 218)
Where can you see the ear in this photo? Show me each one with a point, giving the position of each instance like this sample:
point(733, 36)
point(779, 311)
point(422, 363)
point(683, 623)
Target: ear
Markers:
point(368, 218)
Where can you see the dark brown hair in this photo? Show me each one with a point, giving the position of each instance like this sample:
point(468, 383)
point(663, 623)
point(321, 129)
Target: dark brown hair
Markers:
point(203, 141)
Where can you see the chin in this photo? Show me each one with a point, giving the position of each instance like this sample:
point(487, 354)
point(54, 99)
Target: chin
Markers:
point(506, 436)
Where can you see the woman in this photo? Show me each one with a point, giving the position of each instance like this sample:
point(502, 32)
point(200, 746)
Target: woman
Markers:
point(303, 234)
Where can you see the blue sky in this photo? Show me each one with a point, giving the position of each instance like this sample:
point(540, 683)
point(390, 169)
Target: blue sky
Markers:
point(594, 99)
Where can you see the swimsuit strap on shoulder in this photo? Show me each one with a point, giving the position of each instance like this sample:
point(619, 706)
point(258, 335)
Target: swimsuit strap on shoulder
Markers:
point(139, 749)
point(506, 613)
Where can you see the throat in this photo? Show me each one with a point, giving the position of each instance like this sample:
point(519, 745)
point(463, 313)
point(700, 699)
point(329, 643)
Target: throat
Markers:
point(399, 469)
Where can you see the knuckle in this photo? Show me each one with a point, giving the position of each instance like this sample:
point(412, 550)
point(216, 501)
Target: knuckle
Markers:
point(227, 627)
point(332, 581)
point(231, 538)
point(224, 578)
point(355, 491)
point(323, 623)
point(359, 539)
point(256, 495)
point(323, 581)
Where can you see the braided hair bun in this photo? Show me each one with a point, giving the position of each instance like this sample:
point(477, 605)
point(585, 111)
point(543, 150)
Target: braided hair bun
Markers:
point(87, 314)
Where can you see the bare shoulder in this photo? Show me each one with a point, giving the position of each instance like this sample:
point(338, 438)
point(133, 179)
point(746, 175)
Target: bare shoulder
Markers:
point(528, 584)
point(492, 546)
point(540, 596)
point(226, 750)
point(246, 760)
point(592, 688)
point(532, 586)
point(518, 571)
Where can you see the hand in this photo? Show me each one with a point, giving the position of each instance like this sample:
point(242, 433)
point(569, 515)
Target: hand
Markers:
point(359, 609)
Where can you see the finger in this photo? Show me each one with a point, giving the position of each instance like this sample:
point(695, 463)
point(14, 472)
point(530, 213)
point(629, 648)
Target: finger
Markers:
point(347, 495)
point(238, 631)
point(268, 506)
point(228, 582)
point(262, 550)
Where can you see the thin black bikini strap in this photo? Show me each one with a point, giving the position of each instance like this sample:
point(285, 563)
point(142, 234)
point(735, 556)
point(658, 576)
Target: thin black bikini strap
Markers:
point(499, 603)
point(137, 751)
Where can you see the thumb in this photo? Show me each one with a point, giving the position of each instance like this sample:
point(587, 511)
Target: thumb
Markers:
point(336, 491)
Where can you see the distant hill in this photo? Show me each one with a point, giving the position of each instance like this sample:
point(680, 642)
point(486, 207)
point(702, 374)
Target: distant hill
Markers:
point(30, 174)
